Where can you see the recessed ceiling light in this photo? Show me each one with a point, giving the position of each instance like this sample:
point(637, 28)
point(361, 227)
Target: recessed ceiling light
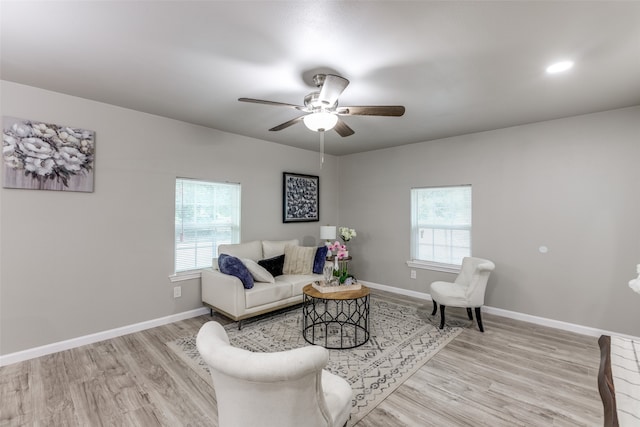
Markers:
point(559, 67)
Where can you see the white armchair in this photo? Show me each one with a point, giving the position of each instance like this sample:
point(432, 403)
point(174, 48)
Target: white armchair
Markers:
point(287, 388)
point(466, 291)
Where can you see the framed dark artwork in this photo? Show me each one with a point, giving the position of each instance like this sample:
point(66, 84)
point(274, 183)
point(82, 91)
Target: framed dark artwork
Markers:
point(300, 197)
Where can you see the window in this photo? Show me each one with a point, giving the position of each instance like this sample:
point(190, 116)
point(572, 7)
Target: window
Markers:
point(207, 215)
point(440, 226)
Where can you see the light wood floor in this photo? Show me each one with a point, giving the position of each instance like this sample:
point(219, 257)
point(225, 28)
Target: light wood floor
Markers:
point(515, 374)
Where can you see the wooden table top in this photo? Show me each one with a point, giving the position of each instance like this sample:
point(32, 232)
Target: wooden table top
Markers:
point(340, 295)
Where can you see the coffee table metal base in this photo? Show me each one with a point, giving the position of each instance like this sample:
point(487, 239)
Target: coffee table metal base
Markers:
point(336, 323)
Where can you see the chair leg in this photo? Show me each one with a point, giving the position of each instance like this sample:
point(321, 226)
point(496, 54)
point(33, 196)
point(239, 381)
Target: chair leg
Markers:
point(441, 316)
point(469, 313)
point(435, 308)
point(479, 319)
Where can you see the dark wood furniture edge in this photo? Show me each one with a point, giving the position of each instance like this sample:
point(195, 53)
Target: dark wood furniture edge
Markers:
point(605, 383)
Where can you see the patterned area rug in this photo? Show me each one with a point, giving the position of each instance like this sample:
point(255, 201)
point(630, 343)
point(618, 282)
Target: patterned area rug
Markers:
point(403, 338)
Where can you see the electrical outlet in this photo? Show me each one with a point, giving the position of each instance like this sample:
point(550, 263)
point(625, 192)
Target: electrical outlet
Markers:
point(177, 292)
point(413, 274)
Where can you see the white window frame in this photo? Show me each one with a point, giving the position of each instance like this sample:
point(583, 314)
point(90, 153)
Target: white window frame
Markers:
point(414, 262)
point(234, 223)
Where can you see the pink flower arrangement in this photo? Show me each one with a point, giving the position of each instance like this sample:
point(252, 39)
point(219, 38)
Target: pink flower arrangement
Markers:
point(340, 253)
point(339, 250)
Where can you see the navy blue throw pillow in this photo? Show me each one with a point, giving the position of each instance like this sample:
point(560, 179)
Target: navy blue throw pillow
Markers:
point(319, 260)
point(231, 265)
point(273, 265)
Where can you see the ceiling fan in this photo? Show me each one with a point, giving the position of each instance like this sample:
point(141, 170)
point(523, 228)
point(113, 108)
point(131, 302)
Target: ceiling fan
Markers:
point(323, 112)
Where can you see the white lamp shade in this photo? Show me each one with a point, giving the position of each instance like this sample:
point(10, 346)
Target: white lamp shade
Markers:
point(320, 121)
point(328, 232)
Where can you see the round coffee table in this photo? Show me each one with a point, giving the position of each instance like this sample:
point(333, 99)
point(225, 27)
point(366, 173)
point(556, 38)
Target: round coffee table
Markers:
point(336, 320)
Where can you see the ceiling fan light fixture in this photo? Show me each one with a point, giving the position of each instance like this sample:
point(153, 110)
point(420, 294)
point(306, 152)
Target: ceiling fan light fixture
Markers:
point(322, 108)
point(321, 121)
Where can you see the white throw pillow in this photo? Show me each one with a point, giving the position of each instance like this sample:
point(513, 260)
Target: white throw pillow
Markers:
point(298, 259)
point(259, 273)
point(271, 248)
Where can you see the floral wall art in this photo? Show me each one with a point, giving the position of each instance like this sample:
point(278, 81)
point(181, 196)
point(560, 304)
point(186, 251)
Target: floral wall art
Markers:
point(44, 156)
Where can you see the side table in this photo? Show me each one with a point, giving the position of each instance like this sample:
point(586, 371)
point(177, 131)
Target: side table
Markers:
point(335, 320)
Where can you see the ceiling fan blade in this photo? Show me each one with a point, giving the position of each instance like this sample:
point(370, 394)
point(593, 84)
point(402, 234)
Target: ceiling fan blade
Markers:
point(277, 104)
point(332, 88)
point(286, 124)
point(342, 128)
point(372, 110)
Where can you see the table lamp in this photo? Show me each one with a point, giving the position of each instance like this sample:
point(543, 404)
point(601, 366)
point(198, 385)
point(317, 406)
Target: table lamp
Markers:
point(328, 234)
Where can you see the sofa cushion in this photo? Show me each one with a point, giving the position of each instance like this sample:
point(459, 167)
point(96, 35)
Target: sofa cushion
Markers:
point(271, 248)
point(265, 293)
point(298, 281)
point(234, 267)
point(298, 259)
point(251, 250)
point(273, 265)
point(320, 259)
point(258, 272)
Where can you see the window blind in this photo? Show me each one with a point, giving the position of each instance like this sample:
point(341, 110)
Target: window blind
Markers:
point(207, 214)
point(441, 224)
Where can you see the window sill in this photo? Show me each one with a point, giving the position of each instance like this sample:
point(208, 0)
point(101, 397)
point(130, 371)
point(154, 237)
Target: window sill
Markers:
point(185, 275)
point(435, 266)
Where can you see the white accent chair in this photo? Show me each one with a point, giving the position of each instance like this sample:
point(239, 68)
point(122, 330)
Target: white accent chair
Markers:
point(281, 389)
point(466, 291)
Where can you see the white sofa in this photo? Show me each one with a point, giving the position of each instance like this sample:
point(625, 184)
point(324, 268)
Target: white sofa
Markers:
point(226, 294)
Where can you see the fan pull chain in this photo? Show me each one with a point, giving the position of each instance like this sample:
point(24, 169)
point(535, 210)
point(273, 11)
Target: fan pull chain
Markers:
point(321, 148)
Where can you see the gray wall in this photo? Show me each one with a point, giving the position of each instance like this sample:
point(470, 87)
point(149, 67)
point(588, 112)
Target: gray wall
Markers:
point(79, 263)
point(570, 184)
point(73, 264)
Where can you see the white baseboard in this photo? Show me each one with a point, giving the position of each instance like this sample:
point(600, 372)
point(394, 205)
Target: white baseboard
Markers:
point(394, 290)
point(542, 321)
point(32, 353)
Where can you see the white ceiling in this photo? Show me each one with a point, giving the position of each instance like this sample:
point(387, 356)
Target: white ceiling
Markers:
point(457, 67)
